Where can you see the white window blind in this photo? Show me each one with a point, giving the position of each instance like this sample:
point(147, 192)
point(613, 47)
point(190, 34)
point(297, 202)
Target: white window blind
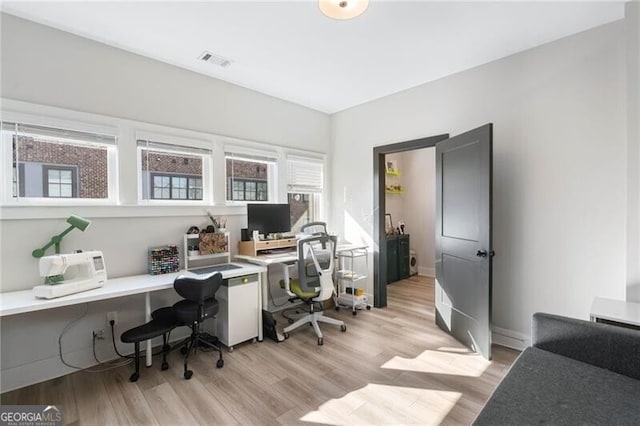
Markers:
point(305, 175)
point(52, 134)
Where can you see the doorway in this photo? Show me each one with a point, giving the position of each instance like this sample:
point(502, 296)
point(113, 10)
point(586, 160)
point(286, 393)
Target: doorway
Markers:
point(380, 207)
point(463, 232)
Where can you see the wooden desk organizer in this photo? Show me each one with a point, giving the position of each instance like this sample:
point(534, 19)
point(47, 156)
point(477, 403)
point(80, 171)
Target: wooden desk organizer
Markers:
point(254, 248)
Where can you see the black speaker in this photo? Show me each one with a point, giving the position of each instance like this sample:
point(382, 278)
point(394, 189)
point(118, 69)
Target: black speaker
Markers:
point(244, 234)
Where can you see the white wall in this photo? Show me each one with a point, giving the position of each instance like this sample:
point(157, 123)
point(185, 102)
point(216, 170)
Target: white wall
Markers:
point(559, 114)
point(45, 66)
point(394, 203)
point(632, 28)
point(419, 204)
point(416, 206)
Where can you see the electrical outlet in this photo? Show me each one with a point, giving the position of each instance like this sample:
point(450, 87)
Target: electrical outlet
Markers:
point(112, 316)
point(97, 334)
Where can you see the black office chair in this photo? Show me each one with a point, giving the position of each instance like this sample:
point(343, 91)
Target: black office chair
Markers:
point(199, 305)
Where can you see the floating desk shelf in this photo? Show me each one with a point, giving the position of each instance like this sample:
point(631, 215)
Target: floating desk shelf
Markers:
point(219, 243)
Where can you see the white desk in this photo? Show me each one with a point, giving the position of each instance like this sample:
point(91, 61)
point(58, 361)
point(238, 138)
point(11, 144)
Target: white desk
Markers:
point(616, 311)
point(19, 302)
point(266, 260)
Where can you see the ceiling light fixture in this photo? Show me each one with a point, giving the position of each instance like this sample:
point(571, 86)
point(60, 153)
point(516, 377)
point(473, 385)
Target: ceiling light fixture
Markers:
point(343, 9)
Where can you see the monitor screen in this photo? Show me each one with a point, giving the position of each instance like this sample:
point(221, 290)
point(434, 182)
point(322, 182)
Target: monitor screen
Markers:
point(268, 218)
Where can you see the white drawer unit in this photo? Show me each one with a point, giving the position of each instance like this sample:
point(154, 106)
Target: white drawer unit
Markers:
point(237, 318)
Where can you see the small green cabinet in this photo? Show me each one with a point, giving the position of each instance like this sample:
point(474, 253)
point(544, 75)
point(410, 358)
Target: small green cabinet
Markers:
point(397, 257)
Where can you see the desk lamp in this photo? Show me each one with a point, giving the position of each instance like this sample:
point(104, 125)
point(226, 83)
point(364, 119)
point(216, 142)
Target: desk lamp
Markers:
point(75, 222)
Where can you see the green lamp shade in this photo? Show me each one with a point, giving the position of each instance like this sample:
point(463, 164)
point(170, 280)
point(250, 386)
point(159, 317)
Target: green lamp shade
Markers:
point(78, 222)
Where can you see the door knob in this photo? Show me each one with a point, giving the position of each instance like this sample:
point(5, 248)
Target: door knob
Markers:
point(484, 253)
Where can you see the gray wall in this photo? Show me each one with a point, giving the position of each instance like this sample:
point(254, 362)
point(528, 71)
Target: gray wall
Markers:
point(45, 66)
point(559, 114)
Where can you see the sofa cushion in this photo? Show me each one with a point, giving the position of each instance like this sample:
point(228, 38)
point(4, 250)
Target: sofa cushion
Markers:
point(602, 345)
point(546, 388)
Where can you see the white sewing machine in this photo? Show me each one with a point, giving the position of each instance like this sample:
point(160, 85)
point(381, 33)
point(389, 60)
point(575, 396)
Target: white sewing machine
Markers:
point(82, 271)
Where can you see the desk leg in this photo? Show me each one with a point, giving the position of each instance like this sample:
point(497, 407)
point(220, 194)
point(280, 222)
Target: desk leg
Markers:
point(260, 307)
point(147, 318)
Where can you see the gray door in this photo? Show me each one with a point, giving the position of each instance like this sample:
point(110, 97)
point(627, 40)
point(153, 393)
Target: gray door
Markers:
point(463, 238)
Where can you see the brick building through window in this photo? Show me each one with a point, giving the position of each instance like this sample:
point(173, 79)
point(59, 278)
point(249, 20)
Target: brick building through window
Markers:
point(247, 180)
point(171, 176)
point(58, 169)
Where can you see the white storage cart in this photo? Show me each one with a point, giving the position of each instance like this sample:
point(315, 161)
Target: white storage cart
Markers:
point(352, 272)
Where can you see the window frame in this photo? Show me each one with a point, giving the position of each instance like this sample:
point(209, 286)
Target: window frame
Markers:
point(270, 158)
point(46, 179)
point(171, 177)
point(174, 145)
point(7, 166)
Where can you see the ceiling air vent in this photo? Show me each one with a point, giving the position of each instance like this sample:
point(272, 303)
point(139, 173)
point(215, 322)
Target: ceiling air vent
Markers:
point(215, 59)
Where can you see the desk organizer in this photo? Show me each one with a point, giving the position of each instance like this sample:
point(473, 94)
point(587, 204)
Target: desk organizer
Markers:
point(211, 243)
point(163, 260)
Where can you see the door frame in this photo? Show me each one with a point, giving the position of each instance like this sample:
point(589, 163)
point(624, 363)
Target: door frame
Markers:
point(379, 209)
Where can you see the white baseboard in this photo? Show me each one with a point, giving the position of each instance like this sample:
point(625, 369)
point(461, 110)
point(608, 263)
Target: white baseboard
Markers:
point(509, 338)
point(426, 272)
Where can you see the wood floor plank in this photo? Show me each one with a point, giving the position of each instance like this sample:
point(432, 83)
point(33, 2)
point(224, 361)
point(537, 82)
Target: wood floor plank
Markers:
point(92, 399)
point(391, 366)
point(128, 401)
point(167, 407)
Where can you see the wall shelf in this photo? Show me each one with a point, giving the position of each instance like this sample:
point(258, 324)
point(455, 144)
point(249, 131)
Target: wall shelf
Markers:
point(219, 243)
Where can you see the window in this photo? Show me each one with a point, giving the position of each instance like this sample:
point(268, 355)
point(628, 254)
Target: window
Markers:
point(61, 182)
point(173, 172)
point(250, 177)
point(59, 163)
point(305, 187)
point(176, 187)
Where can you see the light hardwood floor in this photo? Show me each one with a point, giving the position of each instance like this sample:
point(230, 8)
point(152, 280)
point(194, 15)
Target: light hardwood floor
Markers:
point(392, 366)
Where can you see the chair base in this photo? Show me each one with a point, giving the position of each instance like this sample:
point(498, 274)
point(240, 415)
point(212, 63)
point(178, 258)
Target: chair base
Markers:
point(192, 343)
point(314, 318)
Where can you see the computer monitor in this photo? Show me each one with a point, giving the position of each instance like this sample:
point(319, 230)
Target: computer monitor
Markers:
point(268, 218)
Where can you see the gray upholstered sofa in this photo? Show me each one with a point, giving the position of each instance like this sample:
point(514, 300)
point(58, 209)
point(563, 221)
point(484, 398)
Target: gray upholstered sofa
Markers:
point(576, 372)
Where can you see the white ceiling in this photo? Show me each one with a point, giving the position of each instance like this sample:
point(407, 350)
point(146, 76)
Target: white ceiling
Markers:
point(289, 50)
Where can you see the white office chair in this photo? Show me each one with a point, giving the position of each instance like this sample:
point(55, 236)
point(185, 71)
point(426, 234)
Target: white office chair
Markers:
point(314, 284)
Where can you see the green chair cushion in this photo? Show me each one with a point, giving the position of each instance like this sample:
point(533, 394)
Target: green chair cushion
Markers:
point(298, 291)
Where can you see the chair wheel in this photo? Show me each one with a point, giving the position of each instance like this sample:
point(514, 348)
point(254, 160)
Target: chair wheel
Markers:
point(320, 341)
point(183, 350)
point(165, 366)
point(188, 374)
point(289, 320)
point(355, 312)
point(286, 335)
point(134, 377)
point(368, 308)
point(337, 308)
point(220, 363)
point(343, 328)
